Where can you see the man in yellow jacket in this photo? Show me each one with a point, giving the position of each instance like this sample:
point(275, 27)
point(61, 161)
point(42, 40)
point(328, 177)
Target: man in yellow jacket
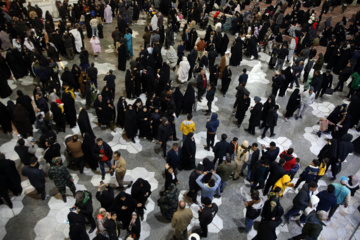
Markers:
point(187, 126)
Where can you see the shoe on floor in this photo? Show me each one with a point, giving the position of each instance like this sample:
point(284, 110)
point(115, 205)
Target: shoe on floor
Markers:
point(91, 230)
point(64, 198)
point(131, 183)
point(272, 135)
point(217, 196)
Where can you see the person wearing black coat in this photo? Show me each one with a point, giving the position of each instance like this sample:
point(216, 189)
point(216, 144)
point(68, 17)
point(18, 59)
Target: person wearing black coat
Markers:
point(236, 52)
point(111, 226)
point(210, 95)
point(225, 80)
point(69, 109)
point(84, 123)
point(277, 82)
point(345, 147)
point(4, 191)
point(134, 228)
point(301, 200)
point(255, 116)
point(271, 121)
point(129, 126)
point(77, 226)
point(121, 110)
point(174, 157)
point(212, 54)
point(189, 99)
point(276, 172)
point(164, 134)
point(89, 155)
point(105, 197)
point(316, 81)
point(52, 151)
point(58, 117)
point(242, 107)
point(5, 120)
point(129, 203)
point(201, 83)
point(84, 206)
point(170, 176)
point(293, 104)
point(221, 149)
point(194, 187)
point(26, 153)
point(26, 102)
point(206, 215)
point(259, 174)
point(178, 99)
point(214, 74)
point(189, 152)
point(326, 83)
point(343, 77)
point(270, 103)
point(36, 176)
point(270, 219)
point(141, 191)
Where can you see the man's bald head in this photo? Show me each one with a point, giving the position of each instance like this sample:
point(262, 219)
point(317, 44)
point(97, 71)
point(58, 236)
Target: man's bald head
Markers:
point(181, 204)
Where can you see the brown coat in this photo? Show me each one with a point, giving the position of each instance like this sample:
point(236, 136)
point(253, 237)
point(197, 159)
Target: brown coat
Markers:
point(201, 45)
point(222, 66)
point(75, 148)
point(121, 165)
point(181, 219)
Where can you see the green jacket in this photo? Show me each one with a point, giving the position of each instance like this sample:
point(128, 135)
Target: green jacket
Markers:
point(355, 83)
point(313, 226)
point(60, 175)
point(224, 171)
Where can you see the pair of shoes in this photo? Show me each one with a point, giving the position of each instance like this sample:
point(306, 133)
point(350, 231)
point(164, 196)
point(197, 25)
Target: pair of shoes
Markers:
point(319, 134)
point(202, 235)
point(299, 223)
point(300, 117)
point(207, 149)
point(297, 118)
point(133, 140)
point(272, 135)
point(64, 198)
point(217, 196)
point(103, 177)
point(131, 183)
point(91, 230)
point(207, 114)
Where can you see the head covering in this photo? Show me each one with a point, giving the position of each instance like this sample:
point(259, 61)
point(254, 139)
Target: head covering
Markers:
point(344, 180)
point(122, 194)
point(227, 52)
point(311, 88)
point(101, 210)
point(164, 119)
point(314, 201)
point(257, 99)
point(206, 201)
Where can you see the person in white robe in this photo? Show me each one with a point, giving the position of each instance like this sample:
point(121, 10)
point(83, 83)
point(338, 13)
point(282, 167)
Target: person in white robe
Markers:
point(28, 44)
point(108, 14)
point(16, 44)
point(78, 40)
point(183, 71)
point(154, 22)
point(170, 56)
point(292, 47)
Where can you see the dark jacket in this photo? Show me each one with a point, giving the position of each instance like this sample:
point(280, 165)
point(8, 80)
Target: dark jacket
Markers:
point(255, 116)
point(313, 226)
point(110, 80)
point(213, 124)
point(302, 199)
point(309, 174)
point(86, 207)
point(24, 154)
point(106, 198)
point(210, 94)
point(207, 214)
point(51, 152)
point(327, 201)
point(267, 214)
point(316, 82)
point(221, 149)
point(36, 176)
point(192, 180)
point(107, 151)
point(254, 158)
point(111, 227)
point(165, 131)
point(243, 78)
point(345, 147)
point(276, 172)
point(256, 172)
point(272, 117)
point(283, 53)
point(271, 155)
point(173, 159)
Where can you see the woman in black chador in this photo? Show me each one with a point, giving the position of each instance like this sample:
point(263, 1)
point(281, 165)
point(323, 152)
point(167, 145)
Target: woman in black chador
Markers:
point(84, 123)
point(130, 124)
point(121, 110)
point(188, 152)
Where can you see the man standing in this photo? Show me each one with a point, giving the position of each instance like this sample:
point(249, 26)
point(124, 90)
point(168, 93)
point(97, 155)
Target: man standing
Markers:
point(201, 45)
point(283, 53)
point(211, 125)
point(301, 200)
point(208, 189)
point(255, 116)
point(327, 199)
point(224, 170)
point(36, 176)
point(94, 26)
point(42, 105)
point(271, 152)
point(243, 78)
point(105, 154)
point(181, 220)
point(26, 153)
point(84, 206)
point(110, 82)
point(174, 157)
point(210, 95)
point(342, 194)
point(259, 174)
point(61, 177)
point(84, 59)
point(326, 83)
point(165, 133)
point(93, 73)
point(206, 215)
point(75, 147)
point(221, 149)
point(307, 98)
point(120, 169)
point(271, 121)
point(313, 226)
point(243, 106)
point(254, 155)
point(276, 172)
point(201, 84)
point(194, 187)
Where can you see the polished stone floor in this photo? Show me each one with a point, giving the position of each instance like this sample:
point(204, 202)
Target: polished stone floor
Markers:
point(32, 218)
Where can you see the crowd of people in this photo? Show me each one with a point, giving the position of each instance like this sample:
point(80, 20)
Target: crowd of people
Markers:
point(34, 45)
